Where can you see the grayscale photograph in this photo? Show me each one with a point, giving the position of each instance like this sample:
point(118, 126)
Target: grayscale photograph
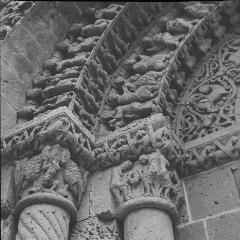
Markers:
point(120, 120)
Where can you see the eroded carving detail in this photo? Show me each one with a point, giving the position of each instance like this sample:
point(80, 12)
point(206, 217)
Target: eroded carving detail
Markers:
point(96, 230)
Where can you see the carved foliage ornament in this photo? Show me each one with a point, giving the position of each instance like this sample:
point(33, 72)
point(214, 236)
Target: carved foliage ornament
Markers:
point(211, 101)
point(51, 171)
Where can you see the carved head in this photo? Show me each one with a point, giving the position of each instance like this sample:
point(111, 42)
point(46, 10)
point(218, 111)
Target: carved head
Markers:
point(126, 166)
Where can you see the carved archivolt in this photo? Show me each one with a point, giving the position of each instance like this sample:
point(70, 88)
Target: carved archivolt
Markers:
point(124, 75)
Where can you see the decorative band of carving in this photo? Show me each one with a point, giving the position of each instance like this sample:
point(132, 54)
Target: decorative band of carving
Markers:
point(147, 202)
point(58, 129)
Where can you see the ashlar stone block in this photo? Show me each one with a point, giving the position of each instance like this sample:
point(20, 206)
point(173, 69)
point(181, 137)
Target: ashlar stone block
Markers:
point(194, 231)
point(226, 227)
point(211, 192)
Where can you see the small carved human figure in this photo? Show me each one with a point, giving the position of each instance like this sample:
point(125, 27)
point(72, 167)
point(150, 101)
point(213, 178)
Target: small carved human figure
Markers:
point(156, 180)
point(120, 187)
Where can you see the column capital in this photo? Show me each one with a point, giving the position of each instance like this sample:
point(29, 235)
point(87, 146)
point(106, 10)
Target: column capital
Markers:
point(150, 182)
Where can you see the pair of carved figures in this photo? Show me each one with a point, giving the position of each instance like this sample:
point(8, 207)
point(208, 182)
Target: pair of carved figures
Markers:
point(148, 177)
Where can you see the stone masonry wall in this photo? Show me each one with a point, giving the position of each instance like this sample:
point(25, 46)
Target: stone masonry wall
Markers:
point(213, 205)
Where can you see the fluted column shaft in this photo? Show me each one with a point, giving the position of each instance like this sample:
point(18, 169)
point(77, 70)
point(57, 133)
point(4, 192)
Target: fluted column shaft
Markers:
point(43, 221)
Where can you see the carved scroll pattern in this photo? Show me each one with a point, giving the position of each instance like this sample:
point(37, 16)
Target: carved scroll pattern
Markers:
point(43, 221)
point(210, 102)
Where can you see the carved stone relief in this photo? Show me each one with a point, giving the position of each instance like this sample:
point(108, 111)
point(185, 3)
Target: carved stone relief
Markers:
point(11, 13)
point(210, 101)
point(50, 171)
point(211, 154)
point(149, 177)
point(140, 89)
point(78, 73)
point(124, 67)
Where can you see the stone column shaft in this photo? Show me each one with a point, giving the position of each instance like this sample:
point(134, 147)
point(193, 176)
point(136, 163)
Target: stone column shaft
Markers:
point(148, 224)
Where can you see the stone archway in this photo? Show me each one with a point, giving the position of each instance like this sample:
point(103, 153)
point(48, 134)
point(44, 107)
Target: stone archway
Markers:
point(109, 96)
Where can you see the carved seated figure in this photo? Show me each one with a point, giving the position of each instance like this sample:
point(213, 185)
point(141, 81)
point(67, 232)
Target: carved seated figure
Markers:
point(127, 113)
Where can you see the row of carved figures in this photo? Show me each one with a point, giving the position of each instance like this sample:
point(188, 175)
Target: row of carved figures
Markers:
point(152, 79)
point(79, 71)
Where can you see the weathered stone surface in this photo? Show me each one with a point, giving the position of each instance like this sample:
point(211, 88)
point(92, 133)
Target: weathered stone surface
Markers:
point(211, 192)
point(7, 201)
point(24, 69)
point(96, 230)
point(7, 190)
point(57, 23)
point(12, 87)
point(195, 231)
point(148, 224)
point(8, 116)
point(225, 227)
point(84, 209)
point(41, 32)
point(101, 202)
point(235, 169)
point(22, 39)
